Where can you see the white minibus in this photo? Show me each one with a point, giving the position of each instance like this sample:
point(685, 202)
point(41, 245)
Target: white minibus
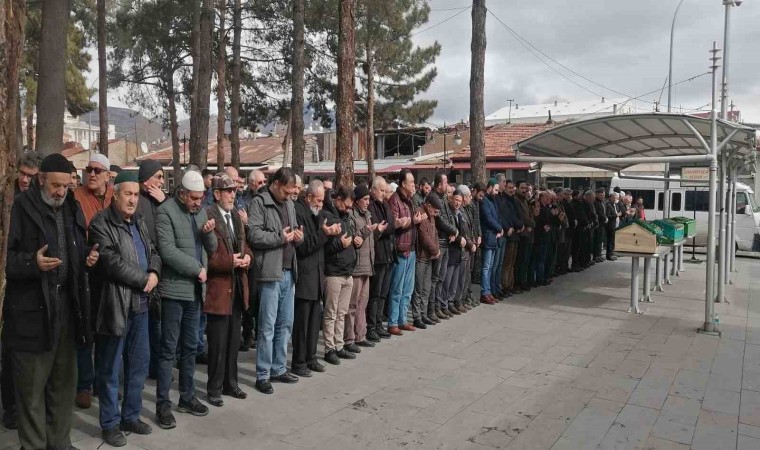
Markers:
point(685, 200)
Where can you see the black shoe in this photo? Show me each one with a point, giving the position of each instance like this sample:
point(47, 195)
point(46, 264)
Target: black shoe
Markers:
point(243, 347)
point(316, 367)
point(114, 437)
point(426, 321)
point(235, 393)
point(10, 419)
point(215, 401)
point(193, 407)
point(201, 358)
point(372, 336)
point(264, 386)
point(302, 372)
point(365, 343)
point(165, 418)
point(419, 324)
point(285, 377)
point(331, 357)
point(345, 354)
point(249, 342)
point(353, 348)
point(384, 333)
point(136, 427)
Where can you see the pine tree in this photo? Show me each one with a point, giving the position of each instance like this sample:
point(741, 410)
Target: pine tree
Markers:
point(237, 27)
point(221, 75)
point(202, 91)
point(102, 78)
point(344, 160)
point(296, 106)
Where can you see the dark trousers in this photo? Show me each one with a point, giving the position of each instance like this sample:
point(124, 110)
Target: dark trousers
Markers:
point(523, 261)
point(179, 333)
point(45, 389)
point(565, 251)
point(250, 316)
point(610, 231)
point(438, 267)
point(421, 307)
point(307, 319)
point(537, 274)
point(379, 287)
point(85, 368)
point(154, 339)
point(464, 295)
point(223, 334)
point(598, 237)
point(7, 388)
point(587, 246)
point(130, 352)
point(551, 259)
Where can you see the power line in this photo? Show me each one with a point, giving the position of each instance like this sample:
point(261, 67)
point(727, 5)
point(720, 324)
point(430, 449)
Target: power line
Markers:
point(439, 23)
point(525, 43)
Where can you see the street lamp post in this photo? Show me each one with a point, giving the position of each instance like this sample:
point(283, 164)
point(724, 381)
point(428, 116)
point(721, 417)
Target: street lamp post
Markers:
point(666, 195)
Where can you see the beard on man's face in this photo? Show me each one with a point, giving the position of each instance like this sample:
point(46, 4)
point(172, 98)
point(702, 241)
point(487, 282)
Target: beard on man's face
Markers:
point(53, 201)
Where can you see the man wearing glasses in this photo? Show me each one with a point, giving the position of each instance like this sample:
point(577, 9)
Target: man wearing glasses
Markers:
point(151, 179)
point(28, 167)
point(94, 196)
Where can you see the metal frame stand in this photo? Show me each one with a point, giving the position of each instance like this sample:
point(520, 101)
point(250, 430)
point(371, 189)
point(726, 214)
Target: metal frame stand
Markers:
point(634, 286)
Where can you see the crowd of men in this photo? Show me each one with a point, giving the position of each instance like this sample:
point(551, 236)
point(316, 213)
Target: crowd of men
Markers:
point(115, 281)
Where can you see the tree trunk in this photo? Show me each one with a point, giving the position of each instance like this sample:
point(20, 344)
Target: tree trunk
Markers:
point(29, 114)
point(195, 35)
point(235, 94)
point(12, 14)
point(103, 78)
point(296, 104)
point(370, 114)
point(174, 131)
point(51, 84)
point(221, 74)
point(202, 94)
point(344, 160)
point(477, 86)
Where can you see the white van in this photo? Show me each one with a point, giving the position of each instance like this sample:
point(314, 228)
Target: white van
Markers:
point(685, 200)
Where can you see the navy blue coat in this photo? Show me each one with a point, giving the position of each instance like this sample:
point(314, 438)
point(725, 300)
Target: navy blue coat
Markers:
point(490, 224)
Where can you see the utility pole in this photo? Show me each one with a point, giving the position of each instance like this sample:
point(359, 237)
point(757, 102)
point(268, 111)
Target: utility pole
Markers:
point(726, 41)
point(666, 195)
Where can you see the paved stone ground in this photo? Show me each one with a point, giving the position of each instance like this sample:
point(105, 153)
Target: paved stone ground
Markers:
point(564, 367)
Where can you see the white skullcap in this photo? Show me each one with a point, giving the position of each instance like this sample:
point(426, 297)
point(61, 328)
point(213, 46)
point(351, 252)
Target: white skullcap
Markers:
point(193, 181)
point(393, 187)
point(101, 159)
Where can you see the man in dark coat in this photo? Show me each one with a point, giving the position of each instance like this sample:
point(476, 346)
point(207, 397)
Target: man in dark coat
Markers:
point(447, 232)
point(129, 267)
point(385, 256)
point(580, 233)
point(599, 232)
point(612, 212)
point(257, 182)
point(151, 178)
point(47, 304)
point(310, 287)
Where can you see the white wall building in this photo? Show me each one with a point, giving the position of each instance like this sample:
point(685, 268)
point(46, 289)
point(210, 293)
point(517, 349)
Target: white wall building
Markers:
point(75, 130)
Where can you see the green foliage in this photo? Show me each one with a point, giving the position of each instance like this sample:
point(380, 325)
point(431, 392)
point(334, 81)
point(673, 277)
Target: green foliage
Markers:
point(81, 31)
point(150, 43)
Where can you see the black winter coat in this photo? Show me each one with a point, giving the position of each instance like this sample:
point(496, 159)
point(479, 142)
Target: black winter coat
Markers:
point(31, 307)
point(147, 207)
point(339, 261)
point(385, 241)
point(311, 255)
point(445, 222)
point(121, 279)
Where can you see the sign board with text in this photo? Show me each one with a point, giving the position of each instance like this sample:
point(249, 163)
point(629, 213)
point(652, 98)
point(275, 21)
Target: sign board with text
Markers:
point(695, 176)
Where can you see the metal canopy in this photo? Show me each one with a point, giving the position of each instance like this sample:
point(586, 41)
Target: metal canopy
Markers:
point(621, 141)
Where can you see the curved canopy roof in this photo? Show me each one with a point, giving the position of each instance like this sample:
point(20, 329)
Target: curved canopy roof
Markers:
point(620, 141)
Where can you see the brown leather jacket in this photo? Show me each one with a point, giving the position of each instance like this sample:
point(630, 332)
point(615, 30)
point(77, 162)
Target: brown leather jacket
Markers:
point(427, 238)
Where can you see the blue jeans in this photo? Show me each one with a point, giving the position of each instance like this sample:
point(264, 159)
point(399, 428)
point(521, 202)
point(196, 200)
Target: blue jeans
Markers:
point(131, 349)
point(402, 285)
point(202, 334)
point(498, 264)
point(275, 325)
point(179, 329)
point(485, 277)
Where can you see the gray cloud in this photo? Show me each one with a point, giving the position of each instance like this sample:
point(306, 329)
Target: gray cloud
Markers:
point(620, 44)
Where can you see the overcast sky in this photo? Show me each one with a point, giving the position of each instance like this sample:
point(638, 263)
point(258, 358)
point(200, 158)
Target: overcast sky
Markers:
point(619, 44)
